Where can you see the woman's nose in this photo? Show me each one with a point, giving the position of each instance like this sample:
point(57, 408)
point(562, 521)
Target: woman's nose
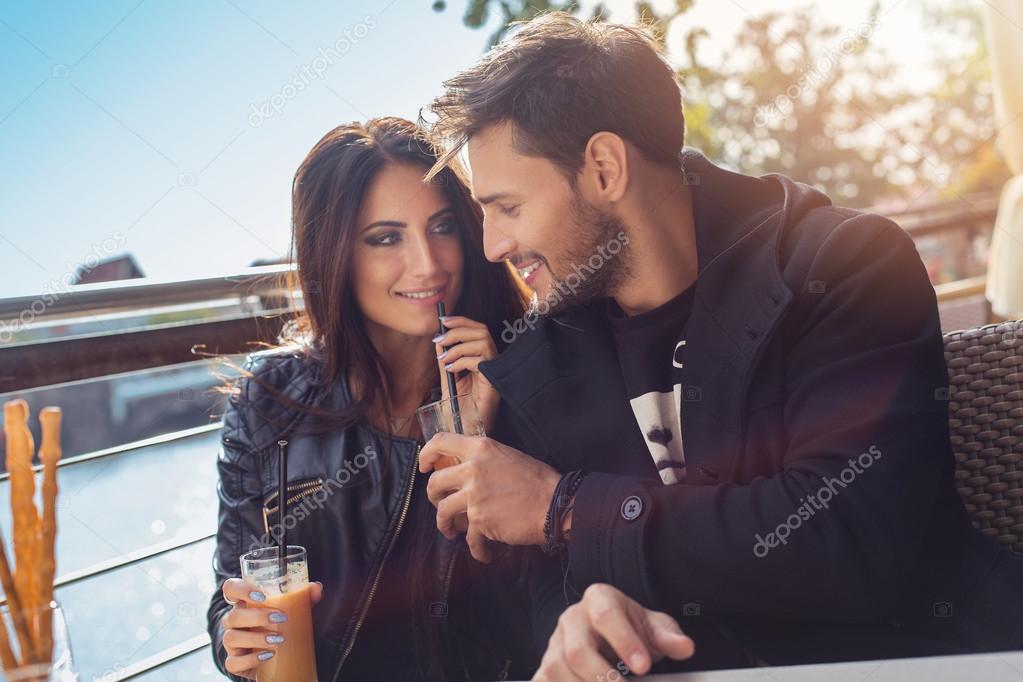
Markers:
point(422, 259)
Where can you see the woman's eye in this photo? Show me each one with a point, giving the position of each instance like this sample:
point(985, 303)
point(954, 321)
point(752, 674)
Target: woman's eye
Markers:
point(447, 227)
point(386, 239)
point(510, 211)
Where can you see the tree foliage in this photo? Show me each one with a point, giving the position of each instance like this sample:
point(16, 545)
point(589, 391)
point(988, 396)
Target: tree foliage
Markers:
point(823, 104)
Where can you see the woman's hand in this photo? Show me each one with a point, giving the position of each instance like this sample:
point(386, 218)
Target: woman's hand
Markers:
point(247, 638)
point(466, 344)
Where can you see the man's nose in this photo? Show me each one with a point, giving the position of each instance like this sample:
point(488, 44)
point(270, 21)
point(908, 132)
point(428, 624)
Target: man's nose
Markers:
point(496, 245)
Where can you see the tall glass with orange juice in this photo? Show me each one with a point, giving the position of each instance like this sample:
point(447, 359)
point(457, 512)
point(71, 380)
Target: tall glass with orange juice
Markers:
point(288, 592)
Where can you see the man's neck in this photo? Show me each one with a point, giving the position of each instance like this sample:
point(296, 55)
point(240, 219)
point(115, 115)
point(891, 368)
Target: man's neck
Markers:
point(662, 247)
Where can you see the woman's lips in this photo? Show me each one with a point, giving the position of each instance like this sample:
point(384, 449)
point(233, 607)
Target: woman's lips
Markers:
point(426, 298)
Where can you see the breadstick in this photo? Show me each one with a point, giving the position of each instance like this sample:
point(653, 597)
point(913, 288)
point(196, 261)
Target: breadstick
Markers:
point(10, 663)
point(7, 659)
point(14, 604)
point(49, 453)
point(23, 510)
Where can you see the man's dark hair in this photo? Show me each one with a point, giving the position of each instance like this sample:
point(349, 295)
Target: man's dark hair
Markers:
point(559, 81)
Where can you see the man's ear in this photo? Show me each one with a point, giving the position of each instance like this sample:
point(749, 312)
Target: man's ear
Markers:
point(606, 166)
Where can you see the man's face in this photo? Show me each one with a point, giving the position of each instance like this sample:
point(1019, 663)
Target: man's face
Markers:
point(534, 218)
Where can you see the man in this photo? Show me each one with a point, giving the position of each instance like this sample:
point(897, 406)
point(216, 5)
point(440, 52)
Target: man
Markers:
point(727, 406)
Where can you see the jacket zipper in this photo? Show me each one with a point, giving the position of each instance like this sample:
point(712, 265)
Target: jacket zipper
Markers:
point(303, 489)
point(376, 579)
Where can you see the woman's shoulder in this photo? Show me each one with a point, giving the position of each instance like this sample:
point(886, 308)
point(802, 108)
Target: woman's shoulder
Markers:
point(270, 391)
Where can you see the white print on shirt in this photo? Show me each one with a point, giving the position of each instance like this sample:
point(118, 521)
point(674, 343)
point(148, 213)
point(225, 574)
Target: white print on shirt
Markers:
point(659, 418)
point(675, 362)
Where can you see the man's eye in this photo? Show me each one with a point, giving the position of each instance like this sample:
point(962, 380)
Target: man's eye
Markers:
point(510, 211)
point(386, 239)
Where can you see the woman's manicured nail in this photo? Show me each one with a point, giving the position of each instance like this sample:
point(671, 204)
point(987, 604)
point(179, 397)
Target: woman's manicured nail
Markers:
point(439, 338)
point(442, 355)
point(265, 655)
point(278, 617)
point(274, 639)
point(448, 367)
point(444, 318)
point(257, 596)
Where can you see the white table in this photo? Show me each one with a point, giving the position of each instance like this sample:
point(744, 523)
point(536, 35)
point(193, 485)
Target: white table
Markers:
point(1007, 667)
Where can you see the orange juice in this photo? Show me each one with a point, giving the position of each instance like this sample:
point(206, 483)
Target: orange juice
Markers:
point(295, 660)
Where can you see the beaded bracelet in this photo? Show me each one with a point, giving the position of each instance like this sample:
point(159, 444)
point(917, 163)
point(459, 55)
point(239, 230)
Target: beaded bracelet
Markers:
point(562, 502)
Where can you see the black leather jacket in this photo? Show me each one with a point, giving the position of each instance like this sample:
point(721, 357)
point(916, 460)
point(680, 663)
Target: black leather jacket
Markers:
point(353, 494)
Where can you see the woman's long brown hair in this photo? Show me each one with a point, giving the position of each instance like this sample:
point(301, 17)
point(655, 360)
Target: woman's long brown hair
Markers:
point(327, 195)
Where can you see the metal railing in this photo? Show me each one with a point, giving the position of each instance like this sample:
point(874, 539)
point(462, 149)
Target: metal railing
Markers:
point(173, 653)
point(264, 304)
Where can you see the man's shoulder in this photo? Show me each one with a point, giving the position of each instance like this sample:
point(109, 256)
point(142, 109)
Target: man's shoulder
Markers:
point(830, 232)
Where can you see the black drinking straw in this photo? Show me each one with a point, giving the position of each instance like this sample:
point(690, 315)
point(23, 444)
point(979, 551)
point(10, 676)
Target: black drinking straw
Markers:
point(452, 390)
point(282, 500)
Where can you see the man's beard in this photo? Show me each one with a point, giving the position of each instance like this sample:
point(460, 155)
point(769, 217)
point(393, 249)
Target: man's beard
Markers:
point(593, 265)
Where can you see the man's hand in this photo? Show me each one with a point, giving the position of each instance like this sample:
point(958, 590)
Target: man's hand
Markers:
point(503, 492)
point(608, 625)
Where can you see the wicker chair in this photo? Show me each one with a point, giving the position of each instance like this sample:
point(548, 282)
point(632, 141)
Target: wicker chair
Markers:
point(985, 373)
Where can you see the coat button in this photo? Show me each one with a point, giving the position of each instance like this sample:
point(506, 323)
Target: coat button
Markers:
point(632, 507)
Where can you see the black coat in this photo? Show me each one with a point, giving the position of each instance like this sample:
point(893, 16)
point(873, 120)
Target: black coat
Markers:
point(813, 339)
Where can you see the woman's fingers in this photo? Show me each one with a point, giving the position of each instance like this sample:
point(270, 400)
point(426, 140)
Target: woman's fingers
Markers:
point(244, 617)
point(244, 665)
point(456, 336)
point(252, 639)
point(316, 592)
point(461, 322)
point(237, 590)
point(483, 349)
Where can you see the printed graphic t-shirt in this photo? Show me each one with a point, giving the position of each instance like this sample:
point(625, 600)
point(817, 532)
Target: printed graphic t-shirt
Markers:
point(650, 353)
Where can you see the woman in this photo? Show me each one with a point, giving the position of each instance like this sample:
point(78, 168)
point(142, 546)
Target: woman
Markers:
point(375, 249)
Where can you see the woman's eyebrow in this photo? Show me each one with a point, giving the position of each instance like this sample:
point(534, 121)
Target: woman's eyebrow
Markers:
point(398, 223)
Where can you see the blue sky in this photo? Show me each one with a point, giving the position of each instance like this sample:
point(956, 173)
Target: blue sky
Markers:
point(128, 126)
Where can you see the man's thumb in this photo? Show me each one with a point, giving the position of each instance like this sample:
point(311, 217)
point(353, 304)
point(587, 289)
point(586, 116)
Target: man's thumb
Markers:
point(668, 636)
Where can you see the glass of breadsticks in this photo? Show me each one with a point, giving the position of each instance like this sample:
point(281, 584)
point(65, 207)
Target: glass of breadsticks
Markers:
point(33, 638)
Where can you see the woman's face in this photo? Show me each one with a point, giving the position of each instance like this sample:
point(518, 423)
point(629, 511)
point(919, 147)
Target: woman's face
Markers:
point(408, 253)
